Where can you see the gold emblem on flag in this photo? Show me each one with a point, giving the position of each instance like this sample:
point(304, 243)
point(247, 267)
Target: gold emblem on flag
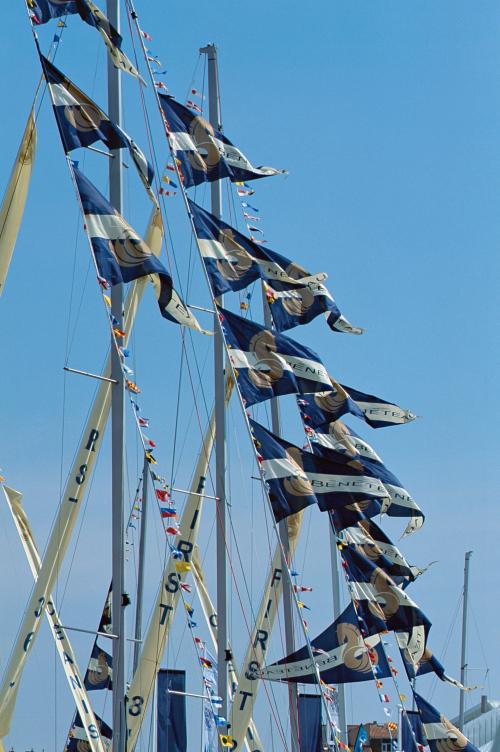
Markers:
point(269, 366)
point(356, 654)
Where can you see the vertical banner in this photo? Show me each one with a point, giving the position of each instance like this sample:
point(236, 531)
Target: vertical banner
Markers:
point(411, 731)
point(310, 723)
point(171, 729)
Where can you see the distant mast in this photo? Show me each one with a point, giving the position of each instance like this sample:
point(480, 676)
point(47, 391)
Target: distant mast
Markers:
point(463, 660)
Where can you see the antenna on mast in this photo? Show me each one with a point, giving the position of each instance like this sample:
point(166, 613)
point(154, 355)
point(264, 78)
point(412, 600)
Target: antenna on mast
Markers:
point(463, 661)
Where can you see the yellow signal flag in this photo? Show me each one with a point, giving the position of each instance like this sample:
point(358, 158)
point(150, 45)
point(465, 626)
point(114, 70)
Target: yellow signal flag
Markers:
point(182, 566)
point(107, 300)
point(225, 740)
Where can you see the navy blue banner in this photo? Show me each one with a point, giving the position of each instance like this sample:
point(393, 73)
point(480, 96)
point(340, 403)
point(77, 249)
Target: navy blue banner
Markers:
point(412, 733)
point(171, 712)
point(310, 723)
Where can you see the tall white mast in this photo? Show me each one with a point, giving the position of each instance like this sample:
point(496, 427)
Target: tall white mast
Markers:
point(463, 660)
point(220, 417)
point(117, 425)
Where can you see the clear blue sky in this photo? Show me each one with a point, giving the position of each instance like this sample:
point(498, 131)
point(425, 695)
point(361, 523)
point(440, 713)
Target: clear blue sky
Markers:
point(387, 116)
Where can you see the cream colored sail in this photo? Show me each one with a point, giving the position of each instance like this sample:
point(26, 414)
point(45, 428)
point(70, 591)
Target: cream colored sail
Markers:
point(14, 200)
point(246, 692)
point(61, 640)
point(70, 506)
point(252, 740)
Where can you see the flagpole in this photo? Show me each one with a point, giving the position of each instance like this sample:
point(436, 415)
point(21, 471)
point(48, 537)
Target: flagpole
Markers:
point(287, 590)
point(463, 664)
point(220, 417)
point(336, 614)
point(117, 424)
point(141, 567)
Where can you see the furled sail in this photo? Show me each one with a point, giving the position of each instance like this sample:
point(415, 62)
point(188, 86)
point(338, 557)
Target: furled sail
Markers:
point(14, 200)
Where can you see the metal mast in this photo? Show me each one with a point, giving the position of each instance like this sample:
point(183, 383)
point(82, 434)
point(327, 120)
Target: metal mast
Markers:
point(336, 613)
point(287, 592)
point(140, 568)
point(117, 426)
point(463, 663)
point(220, 417)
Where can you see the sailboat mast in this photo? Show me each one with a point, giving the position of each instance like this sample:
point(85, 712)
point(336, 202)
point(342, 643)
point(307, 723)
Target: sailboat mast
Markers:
point(220, 412)
point(336, 614)
point(287, 591)
point(117, 425)
point(463, 659)
point(141, 567)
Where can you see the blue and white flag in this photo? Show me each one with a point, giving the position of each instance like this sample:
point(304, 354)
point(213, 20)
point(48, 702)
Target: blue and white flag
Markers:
point(429, 664)
point(81, 122)
point(204, 153)
point(268, 364)
point(382, 605)
point(340, 400)
point(122, 255)
point(373, 543)
point(337, 435)
point(441, 734)
point(233, 261)
point(340, 653)
point(99, 673)
point(296, 479)
point(77, 737)
point(42, 11)
point(295, 303)
point(400, 504)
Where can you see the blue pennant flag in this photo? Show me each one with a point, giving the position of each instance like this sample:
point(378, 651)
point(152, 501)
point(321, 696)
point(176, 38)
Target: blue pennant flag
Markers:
point(371, 541)
point(100, 670)
point(412, 732)
point(122, 255)
point(440, 733)
point(268, 364)
point(428, 664)
point(296, 479)
point(42, 11)
point(233, 261)
point(204, 153)
point(382, 605)
point(295, 303)
point(81, 122)
point(77, 737)
point(340, 653)
point(340, 400)
point(362, 739)
point(400, 504)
